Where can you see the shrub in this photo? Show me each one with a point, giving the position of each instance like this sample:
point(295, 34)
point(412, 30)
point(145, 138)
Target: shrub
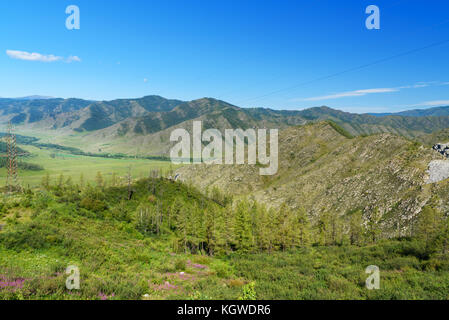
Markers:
point(248, 292)
point(180, 265)
point(236, 283)
point(93, 205)
point(223, 271)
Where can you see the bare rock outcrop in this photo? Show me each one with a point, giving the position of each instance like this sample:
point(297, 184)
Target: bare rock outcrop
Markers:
point(438, 171)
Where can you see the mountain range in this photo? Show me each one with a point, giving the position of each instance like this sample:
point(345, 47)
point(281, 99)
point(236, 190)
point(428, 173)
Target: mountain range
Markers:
point(143, 125)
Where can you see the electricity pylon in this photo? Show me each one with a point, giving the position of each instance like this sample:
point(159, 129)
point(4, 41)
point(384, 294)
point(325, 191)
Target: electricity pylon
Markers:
point(12, 180)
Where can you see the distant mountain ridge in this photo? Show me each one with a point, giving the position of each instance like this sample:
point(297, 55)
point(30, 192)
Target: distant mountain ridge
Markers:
point(435, 112)
point(143, 125)
point(35, 97)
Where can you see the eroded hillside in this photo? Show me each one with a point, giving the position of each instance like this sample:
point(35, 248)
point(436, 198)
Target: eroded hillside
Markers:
point(321, 169)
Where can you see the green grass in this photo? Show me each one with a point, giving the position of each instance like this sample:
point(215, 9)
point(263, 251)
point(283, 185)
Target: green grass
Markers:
point(339, 273)
point(121, 264)
point(74, 165)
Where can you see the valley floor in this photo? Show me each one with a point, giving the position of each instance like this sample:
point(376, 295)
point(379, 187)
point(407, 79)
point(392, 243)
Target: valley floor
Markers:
point(56, 162)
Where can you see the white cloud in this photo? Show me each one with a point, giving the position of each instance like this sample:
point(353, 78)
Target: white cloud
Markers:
point(145, 80)
point(73, 59)
point(359, 93)
point(27, 56)
point(23, 55)
point(419, 85)
point(356, 93)
point(434, 103)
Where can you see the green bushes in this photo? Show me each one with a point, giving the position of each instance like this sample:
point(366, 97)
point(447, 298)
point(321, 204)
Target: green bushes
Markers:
point(248, 292)
point(340, 129)
point(180, 265)
point(93, 205)
point(33, 235)
point(339, 273)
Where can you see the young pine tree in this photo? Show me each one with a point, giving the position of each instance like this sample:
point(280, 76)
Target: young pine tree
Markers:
point(356, 228)
point(242, 229)
point(81, 181)
point(182, 226)
point(430, 224)
point(373, 229)
point(46, 181)
point(114, 179)
point(285, 224)
point(61, 181)
point(99, 180)
point(302, 227)
point(323, 229)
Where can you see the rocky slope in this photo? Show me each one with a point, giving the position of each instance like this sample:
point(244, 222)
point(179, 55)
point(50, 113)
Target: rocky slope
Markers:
point(322, 170)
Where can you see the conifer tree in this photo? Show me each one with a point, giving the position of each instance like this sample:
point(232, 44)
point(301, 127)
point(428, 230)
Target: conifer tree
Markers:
point(220, 244)
point(242, 231)
point(210, 230)
point(46, 181)
point(114, 179)
point(356, 228)
point(323, 226)
point(61, 181)
point(81, 181)
point(68, 182)
point(285, 234)
point(182, 226)
point(269, 235)
point(373, 229)
point(302, 227)
point(429, 225)
point(173, 213)
point(99, 180)
point(336, 229)
point(197, 227)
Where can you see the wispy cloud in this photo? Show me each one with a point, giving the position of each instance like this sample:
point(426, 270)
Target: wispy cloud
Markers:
point(418, 85)
point(363, 92)
point(34, 56)
point(73, 59)
point(434, 103)
point(355, 93)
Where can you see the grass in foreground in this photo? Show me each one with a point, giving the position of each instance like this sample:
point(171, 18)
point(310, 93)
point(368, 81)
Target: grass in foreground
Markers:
point(44, 232)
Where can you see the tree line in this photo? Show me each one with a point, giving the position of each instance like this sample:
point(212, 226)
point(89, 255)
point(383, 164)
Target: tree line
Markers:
point(215, 223)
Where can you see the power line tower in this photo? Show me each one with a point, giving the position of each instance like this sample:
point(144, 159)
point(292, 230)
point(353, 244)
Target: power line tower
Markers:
point(12, 181)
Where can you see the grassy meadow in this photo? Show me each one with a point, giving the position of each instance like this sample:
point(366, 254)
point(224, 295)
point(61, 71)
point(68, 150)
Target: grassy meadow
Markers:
point(56, 162)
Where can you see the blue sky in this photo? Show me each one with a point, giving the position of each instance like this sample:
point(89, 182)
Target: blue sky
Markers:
point(277, 54)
